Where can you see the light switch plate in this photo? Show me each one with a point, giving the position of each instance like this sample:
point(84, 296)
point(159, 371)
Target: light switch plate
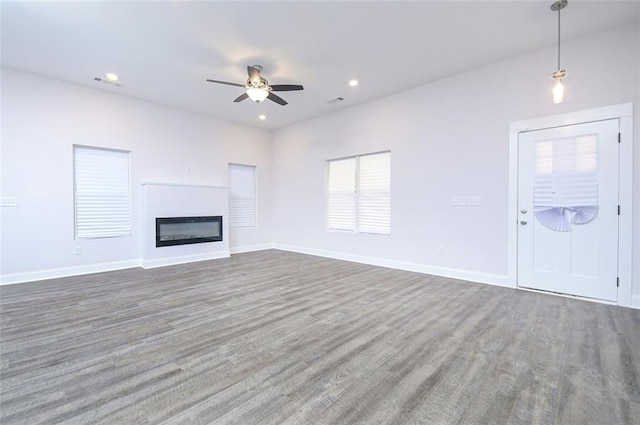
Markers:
point(459, 201)
point(9, 201)
point(475, 200)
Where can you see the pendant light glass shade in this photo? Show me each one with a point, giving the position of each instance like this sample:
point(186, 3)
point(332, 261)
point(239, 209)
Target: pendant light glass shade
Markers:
point(558, 87)
point(558, 91)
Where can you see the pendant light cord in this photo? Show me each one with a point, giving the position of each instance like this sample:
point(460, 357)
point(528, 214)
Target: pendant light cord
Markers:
point(559, 8)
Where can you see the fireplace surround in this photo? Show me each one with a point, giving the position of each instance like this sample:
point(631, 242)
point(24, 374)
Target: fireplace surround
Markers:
point(172, 231)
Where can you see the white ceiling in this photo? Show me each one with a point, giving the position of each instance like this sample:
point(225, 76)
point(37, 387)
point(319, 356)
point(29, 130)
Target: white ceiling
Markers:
point(164, 51)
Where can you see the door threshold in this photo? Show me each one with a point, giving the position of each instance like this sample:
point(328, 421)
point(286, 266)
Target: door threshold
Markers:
point(575, 297)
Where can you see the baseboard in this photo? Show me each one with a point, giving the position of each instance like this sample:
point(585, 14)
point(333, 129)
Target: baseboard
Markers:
point(171, 261)
point(635, 301)
point(250, 248)
point(9, 279)
point(472, 276)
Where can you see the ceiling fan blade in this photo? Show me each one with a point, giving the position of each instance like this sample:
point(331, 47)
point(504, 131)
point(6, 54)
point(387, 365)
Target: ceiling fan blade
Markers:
point(254, 74)
point(226, 82)
point(277, 99)
point(242, 97)
point(286, 87)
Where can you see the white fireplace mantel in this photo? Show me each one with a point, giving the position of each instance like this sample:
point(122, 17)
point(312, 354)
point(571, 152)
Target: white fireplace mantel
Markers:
point(182, 200)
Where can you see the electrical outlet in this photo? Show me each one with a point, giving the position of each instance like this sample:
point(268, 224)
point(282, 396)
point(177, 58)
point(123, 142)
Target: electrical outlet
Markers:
point(459, 201)
point(475, 200)
point(78, 250)
point(9, 201)
point(441, 250)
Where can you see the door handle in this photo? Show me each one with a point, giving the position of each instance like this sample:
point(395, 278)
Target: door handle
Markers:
point(523, 211)
point(523, 222)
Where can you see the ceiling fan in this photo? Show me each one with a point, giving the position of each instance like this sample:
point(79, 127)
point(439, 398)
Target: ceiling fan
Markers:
point(258, 88)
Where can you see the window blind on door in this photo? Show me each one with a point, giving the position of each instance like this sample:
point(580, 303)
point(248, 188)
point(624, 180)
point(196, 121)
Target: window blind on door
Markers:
point(242, 195)
point(102, 193)
point(566, 182)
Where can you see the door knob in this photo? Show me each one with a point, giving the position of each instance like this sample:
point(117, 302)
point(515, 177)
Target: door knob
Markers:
point(523, 211)
point(523, 222)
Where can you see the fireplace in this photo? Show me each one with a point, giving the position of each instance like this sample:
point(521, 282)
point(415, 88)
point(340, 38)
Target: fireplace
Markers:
point(188, 230)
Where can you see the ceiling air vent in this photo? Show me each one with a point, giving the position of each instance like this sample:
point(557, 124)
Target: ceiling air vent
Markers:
point(105, 81)
point(336, 100)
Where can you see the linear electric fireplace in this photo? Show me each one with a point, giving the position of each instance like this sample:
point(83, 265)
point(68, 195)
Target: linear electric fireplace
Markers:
point(188, 230)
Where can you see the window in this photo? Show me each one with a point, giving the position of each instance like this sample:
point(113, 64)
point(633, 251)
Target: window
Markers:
point(242, 195)
point(102, 192)
point(359, 194)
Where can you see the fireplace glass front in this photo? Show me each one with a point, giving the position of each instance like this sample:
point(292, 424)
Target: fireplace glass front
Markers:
point(187, 230)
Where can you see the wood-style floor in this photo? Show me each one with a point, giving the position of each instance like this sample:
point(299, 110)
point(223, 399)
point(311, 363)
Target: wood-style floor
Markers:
point(274, 337)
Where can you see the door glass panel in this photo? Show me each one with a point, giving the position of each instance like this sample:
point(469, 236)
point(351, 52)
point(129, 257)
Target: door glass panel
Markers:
point(587, 154)
point(544, 157)
point(566, 189)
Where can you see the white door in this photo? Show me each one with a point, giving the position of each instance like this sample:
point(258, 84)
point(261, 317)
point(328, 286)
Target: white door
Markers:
point(568, 209)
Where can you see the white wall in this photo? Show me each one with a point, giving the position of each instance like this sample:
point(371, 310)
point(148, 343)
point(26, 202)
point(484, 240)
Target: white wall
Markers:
point(42, 119)
point(446, 139)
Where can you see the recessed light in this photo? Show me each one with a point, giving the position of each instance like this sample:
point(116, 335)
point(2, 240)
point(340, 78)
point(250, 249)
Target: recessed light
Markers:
point(353, 83)
point(262, 117)
point(111, 76)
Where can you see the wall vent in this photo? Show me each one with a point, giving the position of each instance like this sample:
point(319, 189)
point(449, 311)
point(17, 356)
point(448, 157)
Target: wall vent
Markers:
point(336, 100)
point(105, 81)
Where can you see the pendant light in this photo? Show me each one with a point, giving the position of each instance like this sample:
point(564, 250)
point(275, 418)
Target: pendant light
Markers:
point(558, 89)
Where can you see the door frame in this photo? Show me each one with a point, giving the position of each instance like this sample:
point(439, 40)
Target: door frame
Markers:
point(622, 112)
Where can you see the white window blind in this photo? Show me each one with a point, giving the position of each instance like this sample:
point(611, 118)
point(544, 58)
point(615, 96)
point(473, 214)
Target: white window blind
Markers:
point(359, 194)
point(242, 195)
point(102, 192)
point(342, 194)
point(374, 209)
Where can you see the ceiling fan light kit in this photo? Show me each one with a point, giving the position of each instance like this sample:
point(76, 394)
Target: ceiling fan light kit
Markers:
point(257, 94)
point(258, 88)
point(558, 88)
